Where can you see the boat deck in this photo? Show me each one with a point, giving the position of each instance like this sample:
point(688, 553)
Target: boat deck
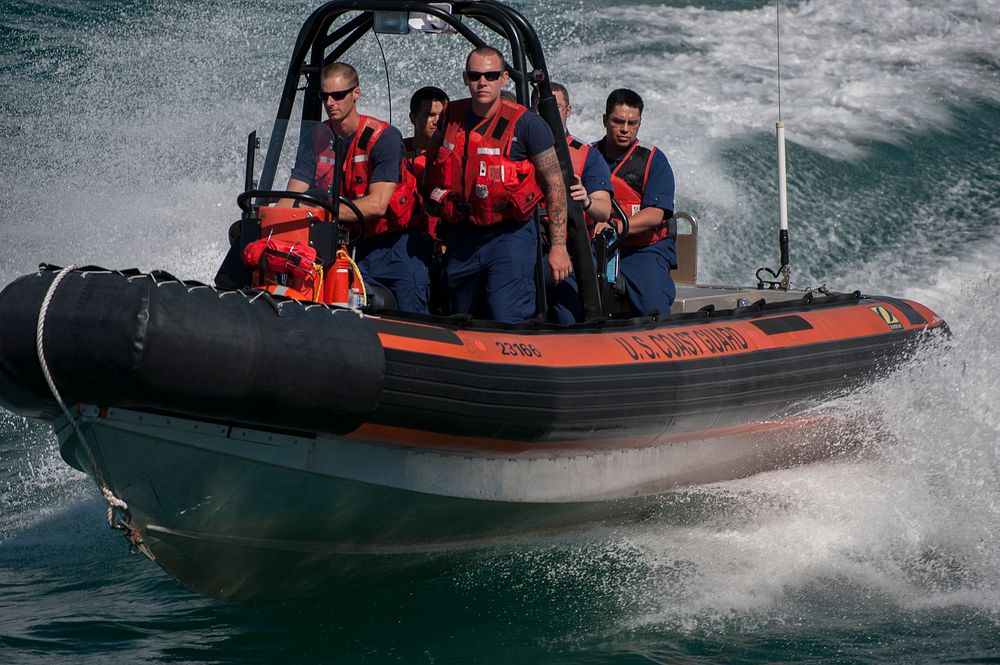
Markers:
point(691, 298)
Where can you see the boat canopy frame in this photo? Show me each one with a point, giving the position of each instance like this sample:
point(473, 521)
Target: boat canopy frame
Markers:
point(319, 43)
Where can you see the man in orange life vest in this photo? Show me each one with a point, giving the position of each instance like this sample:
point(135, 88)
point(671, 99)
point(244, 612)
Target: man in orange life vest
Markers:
point(487, 172)
point(593, 177)
point(592, 189)
point(426, 108)
point(644, 187)
point(393, 251)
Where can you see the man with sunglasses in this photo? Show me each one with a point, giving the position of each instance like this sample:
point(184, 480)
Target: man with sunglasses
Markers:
point(394, 251)
point(644, 187)
point(488, 169)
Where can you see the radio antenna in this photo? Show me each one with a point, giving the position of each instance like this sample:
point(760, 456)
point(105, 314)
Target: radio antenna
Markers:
point(777, 33)
point(781, 277)
point(784, 271)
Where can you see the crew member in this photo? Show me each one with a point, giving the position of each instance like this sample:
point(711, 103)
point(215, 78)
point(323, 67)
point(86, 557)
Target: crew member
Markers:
point(644, 187)
point(426, 108)
point(487, 172)
point(593, 177)
point(392, 252)
point(592, 189)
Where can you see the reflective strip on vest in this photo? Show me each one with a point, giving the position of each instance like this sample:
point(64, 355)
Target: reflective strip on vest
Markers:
point(485, 186)
point(356, 179)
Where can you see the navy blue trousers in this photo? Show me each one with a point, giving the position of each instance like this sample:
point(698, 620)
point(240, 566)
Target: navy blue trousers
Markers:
point(398, 261)
point(647, 276)
point(489, 271)
point(565, 302)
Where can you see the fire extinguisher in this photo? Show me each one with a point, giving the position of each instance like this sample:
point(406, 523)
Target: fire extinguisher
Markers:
point(344, 285)
point(340, 285)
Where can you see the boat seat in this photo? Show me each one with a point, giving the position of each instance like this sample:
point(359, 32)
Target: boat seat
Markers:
point(379, 297)
point(684, 229)
point(686, 240)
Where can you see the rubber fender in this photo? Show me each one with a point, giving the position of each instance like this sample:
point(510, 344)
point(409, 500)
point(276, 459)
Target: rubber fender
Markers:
point(138, 342)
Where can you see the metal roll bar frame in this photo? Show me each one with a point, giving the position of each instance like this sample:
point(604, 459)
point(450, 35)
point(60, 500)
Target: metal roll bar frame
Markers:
point(317, 46)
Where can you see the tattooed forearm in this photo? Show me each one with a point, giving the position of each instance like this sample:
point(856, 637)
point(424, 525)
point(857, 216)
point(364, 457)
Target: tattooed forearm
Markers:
point(549, 177)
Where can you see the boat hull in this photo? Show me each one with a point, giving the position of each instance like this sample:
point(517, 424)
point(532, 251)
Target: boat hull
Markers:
point(270, 449)
point(297, 516)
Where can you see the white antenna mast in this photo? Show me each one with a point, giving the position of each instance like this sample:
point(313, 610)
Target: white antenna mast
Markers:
point(785, 271)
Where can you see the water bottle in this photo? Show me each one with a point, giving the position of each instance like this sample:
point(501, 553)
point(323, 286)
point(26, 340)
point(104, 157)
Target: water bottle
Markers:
point(354, 299)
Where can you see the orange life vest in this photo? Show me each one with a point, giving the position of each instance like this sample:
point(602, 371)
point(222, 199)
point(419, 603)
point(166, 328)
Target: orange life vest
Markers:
point(416, 162)
point(629, 180)
point(472, 177)
point(578, 154)
point(357, 173)
point(578, 151)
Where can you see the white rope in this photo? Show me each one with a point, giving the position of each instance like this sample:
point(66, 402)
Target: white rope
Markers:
point(113, 501)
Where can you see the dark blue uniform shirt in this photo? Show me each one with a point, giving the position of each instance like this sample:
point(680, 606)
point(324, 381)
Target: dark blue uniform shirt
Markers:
point(386, 154)
point(596, 176)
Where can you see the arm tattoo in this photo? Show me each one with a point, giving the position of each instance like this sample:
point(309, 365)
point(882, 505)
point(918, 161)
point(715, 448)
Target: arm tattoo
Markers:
point(549, 176)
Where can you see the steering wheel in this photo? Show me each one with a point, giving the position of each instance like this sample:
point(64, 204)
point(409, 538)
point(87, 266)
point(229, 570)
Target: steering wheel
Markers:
point(244, 201)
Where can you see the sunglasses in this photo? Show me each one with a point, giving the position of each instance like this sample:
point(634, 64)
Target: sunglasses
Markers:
point(336, 94)
point(490, 76)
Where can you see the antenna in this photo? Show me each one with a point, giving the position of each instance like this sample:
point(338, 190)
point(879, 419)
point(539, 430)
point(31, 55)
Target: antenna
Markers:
point(784, 271)
point(781, 278)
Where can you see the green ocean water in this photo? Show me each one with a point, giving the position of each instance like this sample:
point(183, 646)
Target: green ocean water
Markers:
point(122, 127)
